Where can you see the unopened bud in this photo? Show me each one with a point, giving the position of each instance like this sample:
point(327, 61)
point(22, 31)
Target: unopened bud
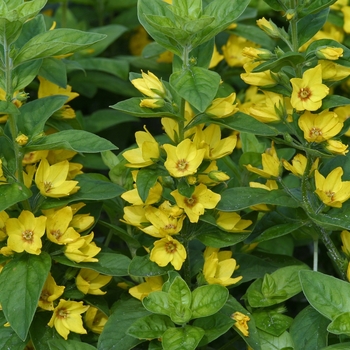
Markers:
point(329, 53)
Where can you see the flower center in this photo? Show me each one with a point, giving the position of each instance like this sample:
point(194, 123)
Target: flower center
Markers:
point(44, 295)
point(182, 165)
point(47, 186)
point(304, 93)
point(190, 202)
point(28, 235)
point(56, 233)
point(170, 247)
point(330, 194)
point(170, 227)
point(314, 132)
point(62, 313)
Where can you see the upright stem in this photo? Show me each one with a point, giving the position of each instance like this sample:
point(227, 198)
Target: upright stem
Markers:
point(315, 263)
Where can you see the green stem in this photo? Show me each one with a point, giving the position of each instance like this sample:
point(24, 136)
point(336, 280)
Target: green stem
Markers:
point(304, 185)
point(64, 13)
point(315, 262)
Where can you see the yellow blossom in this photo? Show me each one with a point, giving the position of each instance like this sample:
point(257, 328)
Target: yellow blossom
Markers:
point(270, 164)
point(268, 27)
point(3, 218)
point(50, 292)
point(216, 58)
point(202, 198)
point(343, 112)
point(24, 233)
point(298, 165)
point(332, 71)
point(210, 139)
point(308, 91)
point(138, 40)
point(331, 190)
point(232, 222)
point(345, 239)
point(348, 272)
point(219, 267)
point(223, 107)
point(330, 53)
point(346, 13)
point(183, 159)
point(257, 53)
point(57, 226)
point(151, 284)
point(337, 147)
point(67, 318)
point(90, 282)
point(320, 127)
point(241, 322)
point(22, 139)
point(149, 85)
point(270, 185)
point(34, 157)
point(168, 250)
point(95, 319)
point(264, 78)
point(28, 175)
point(82, 250)
point(147, 152)
point(154, 195)
point(135, 215)
point(51, 180)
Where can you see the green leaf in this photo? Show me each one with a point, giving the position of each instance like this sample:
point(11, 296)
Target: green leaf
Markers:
point(21, 283)
point(150, 327)
point(309, 25)
point(54, 70)
point(185, 338)
point(179, 298)
point(333, 101)
point(24, 74)
point(340, 325)
point(275, 4)
point(196, 85)
point(10, 194)
point(114, 336)
point(62, 344)
point(342, 346)
point(55, 42)
point(238, 198)
point(327, 294)
point(278, 231)
point(9, 31)
point(157, 302)
point(111, 264)
point(92, 187)
point(271, 321)
point(275, 65)
point(213, 326)
point(75, 140)
point(208, 299)
point(331, 222)
point(309, 330)
point(21, 12)
point(313, 7)
point(34, 114)
point(8, 108)
point(141, 266)
point(145, 180)
point(270, 342)
point(8, 337)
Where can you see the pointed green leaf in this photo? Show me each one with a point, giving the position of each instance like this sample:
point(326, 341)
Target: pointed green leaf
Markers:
point(24, 74)
point(62, 344)
point(141, 266)
point(8, 337)
point(196, 85)
point(21, 283)
point(22, 12)
point(342, 346)
point(54, 70)
point(313, 7)
point(9, 31)
point(282, 342)
point(10, 194)
point(333, 101)
point(272, 322)
point(340, 325)
point(278, 231)
point(157, 302)
point(185, 338)
point(55, 42)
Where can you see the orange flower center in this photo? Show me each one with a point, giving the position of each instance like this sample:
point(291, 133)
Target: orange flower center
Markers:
point(44, 295)
point(62, 313)
point(182, 165)
point(330, 194)
point(170, 247)
point(304, 94)
point(190, 202)
point(47, 186)
point(28, 235)
point(314, 132)
point(56, 233)
point(169, 227)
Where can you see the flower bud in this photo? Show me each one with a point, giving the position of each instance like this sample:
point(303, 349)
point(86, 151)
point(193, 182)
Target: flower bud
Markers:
point(329, 53)
point(258, 54)
point(152, 103)
point(22, 139)
point(219, 176)
point(268, 27)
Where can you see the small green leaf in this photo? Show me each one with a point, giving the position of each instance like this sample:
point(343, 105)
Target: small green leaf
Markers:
point(28, 274)
point(196, 85)
point(309, 330)
point(145, 180)
point(327, 294)
point(272, 322)
point(62, 344)
point(10, 194)
point(8, 108)
point(185, 338)
point(270, 342)
point(157, 302)
point(141, 266)
point(238, 198)
point(111, 264)
point(150, 327)
point(208, 299)
point(179, 297)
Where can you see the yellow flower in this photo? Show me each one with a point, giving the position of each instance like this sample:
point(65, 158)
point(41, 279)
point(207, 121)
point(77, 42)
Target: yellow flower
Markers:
point(163, 222)
point(223, 107)
point(3, 218)
point(28, 175)
point(210, 140)
point(332, 71)
point(268, 27)
point(154, 195)
point(216, 58)
point(270, 164)
point(149, 85)
point(232, 50)
point(82, 250)
point(232, 222)
point(34, 157)
point(57, 226)
point(270, 185)
point(135, 215)
point(24, 233)
point(219, 267)
point(22, 139)
point(151, 284)
point(320, 127)
point(168, 250)
point(51, 291)
point(183, 159)
point(298, 165)
point(264, 78)
point(345, 239)
point(90, 282)
point(51, 180)
point(67, 318)
point(95, 319)
point(241, 322)
point(257, 53)
point(138, 41)
point(147, 152)
point(330, 53)
point(346, 13)
point(337, 147)
point(308, 91)
point(343, 112)
point(331, 190)
point(202, 198)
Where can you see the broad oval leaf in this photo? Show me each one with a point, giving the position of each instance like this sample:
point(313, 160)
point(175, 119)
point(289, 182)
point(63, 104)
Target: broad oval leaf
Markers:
point(185, 338)
point(11, 194)
point(142, 266)
point(341, 324)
